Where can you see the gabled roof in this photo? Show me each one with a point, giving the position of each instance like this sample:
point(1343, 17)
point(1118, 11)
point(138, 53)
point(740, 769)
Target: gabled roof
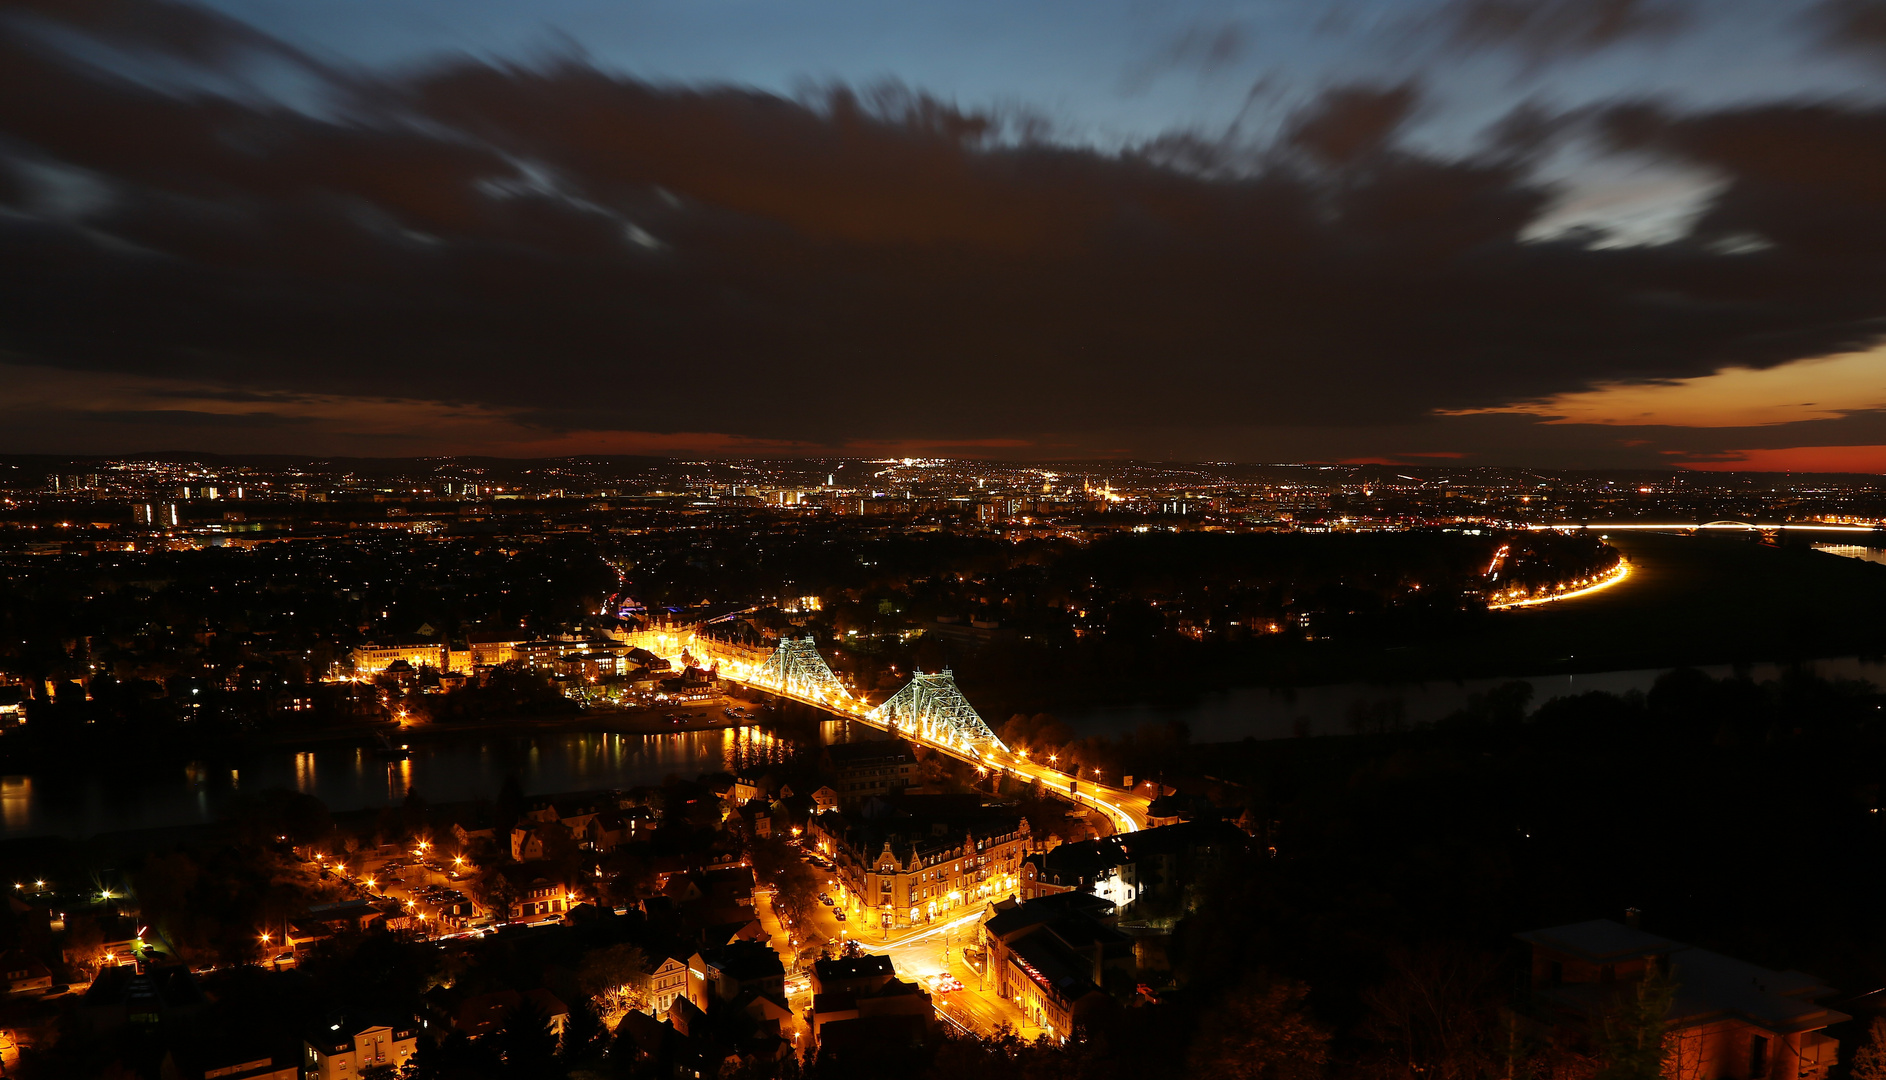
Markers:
point(855, 967)
point(1599, 941)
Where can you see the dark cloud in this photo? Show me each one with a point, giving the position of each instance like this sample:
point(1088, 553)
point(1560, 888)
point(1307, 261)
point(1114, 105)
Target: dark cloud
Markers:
point(1352, 122)
point(585, 251)
point(1548, 30)
point(1851, 25)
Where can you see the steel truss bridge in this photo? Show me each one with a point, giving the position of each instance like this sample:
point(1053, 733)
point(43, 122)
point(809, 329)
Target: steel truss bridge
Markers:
point(930, 707)
point(933, 709)
point(930, 710)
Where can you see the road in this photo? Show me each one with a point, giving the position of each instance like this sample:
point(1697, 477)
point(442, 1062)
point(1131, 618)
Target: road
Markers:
point(918, 954)
point(924, 952)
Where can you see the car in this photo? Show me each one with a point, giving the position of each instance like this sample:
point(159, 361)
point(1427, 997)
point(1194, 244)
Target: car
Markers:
point(824, 899)
point(839, 915)
point(946, 983)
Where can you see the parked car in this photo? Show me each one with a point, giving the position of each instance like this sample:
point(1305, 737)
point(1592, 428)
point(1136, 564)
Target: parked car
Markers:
point(839, 915)
point(824, 899)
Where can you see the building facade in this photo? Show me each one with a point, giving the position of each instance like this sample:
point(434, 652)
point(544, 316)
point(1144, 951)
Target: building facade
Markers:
point(904, 873)
point(341, 1050)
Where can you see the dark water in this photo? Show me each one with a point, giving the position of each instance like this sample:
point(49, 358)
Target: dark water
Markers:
point(80, 801)
point(1338, 709)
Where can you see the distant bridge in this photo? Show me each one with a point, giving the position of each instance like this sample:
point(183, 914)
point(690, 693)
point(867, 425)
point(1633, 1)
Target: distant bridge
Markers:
point(1724, 525)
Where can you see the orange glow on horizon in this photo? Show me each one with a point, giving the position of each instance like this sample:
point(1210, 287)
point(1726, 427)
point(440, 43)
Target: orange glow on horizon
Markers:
point(1813, 459)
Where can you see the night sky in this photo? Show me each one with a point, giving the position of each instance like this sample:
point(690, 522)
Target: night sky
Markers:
point(1548, 232)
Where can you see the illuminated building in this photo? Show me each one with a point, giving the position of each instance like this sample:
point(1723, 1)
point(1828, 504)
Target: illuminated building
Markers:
point(1159, 867)
point(934, 855)
point(1052, 956)
point(373, 659)
point(668, 982)
point(343, 1049)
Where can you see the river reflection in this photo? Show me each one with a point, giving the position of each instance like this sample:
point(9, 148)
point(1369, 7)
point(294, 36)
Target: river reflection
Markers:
point(81, 801)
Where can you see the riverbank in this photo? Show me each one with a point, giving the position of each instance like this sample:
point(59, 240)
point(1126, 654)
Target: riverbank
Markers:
point(1688, 601)
point(709, 715)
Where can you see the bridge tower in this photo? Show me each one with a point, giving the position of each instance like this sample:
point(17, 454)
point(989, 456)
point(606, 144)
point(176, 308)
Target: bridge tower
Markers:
point(797, 668)
point(931, 706)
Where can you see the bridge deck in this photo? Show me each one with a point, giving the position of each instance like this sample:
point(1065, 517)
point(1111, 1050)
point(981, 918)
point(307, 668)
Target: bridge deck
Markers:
point(1125, 809)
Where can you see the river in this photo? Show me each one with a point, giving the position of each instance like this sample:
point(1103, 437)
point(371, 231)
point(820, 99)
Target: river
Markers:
point(1263, 713)
point(84, 800)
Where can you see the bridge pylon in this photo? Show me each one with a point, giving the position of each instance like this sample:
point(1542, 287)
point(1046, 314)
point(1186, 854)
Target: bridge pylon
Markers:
point(931, 706)
point(797, 668)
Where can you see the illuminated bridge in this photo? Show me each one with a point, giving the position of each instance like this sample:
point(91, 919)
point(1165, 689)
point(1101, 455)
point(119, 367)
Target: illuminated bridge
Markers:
point(1710, 526)
point(930, 710)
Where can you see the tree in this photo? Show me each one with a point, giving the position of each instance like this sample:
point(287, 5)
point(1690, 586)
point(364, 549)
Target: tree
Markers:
point(584, 1034)
point(498, 895)
point(1439, 1014)
point(1869, 1058)
point(617, 971)
point(84, 942)
point(796, 886)
point(1630, 1038)
point(526, 1043)
point(1261, 1032)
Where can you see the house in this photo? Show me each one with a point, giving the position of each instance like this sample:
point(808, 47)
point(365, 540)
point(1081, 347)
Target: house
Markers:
point(862, 988)
point(470, 836)
point(739, 965)
point(1053, 955)
point(341, 1048)
point(852, 975)
point(874, 767)
point(1160, 869)
point(12, 707)
point(344, 916)
point(530, 839)
point(24, 973)
point(667, 982)
point(539, 887)
point(1729, 1020)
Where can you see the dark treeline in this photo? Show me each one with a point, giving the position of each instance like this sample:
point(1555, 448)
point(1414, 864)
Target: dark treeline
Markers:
point(1370, 932)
